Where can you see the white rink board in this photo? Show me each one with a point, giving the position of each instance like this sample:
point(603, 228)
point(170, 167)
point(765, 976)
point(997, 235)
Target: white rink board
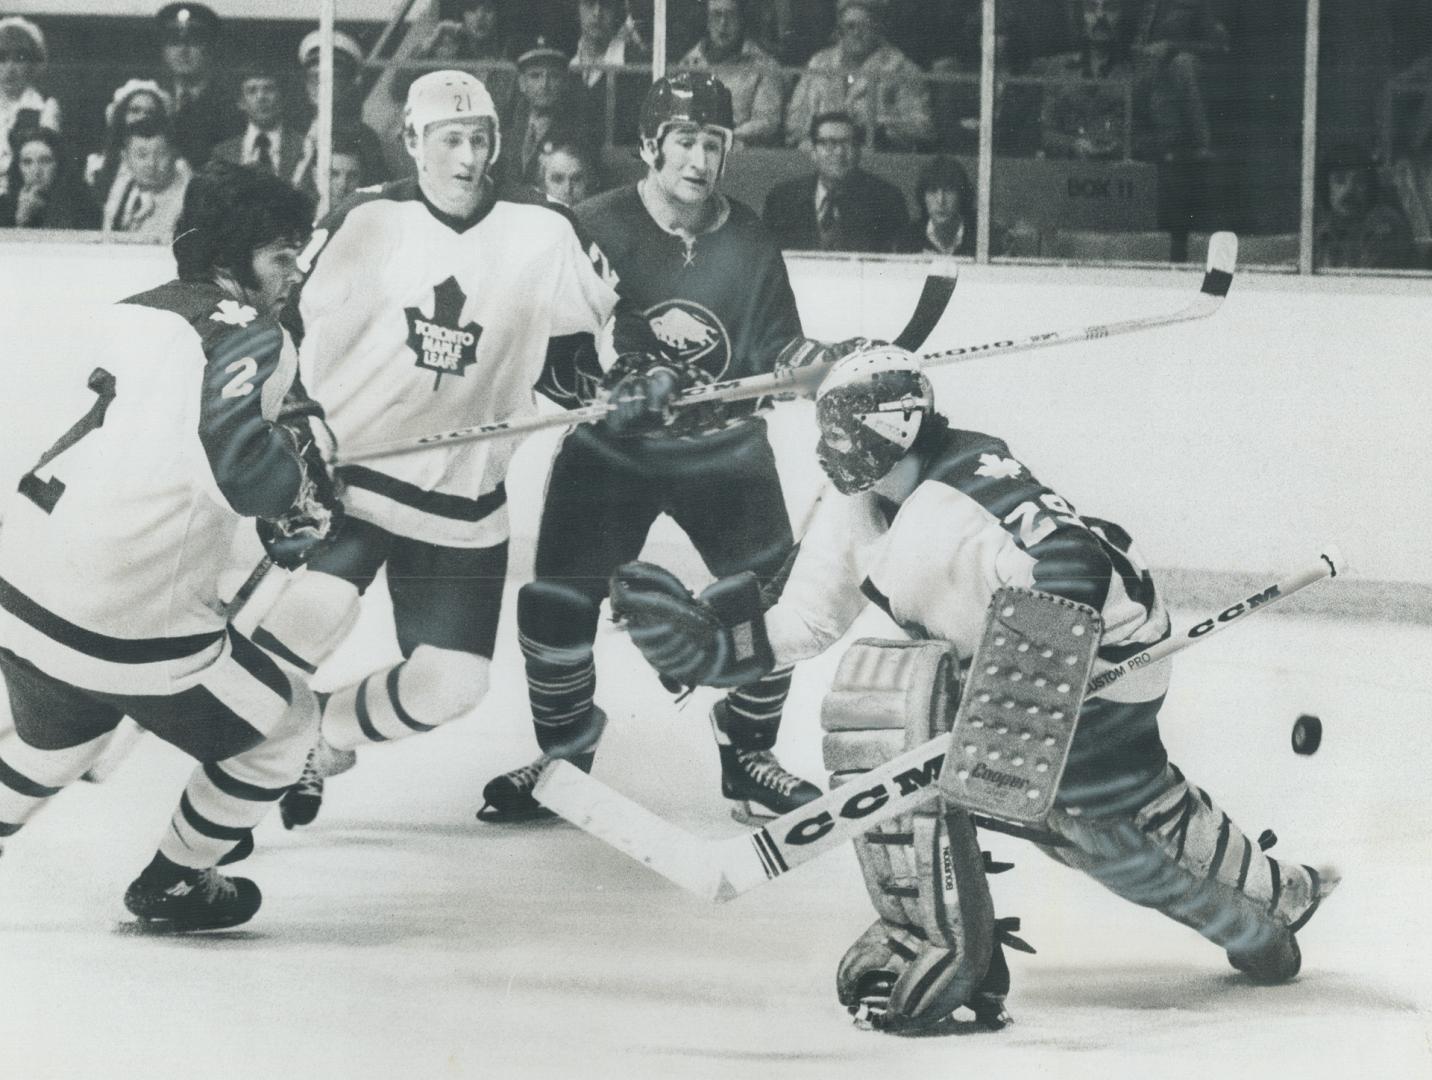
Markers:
point(1295, 416)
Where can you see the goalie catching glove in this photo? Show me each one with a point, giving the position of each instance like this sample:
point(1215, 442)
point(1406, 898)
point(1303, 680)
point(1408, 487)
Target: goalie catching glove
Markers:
point(317, 512)
point(716, 639)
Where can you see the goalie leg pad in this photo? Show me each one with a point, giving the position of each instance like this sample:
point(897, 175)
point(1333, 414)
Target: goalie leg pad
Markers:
point(1181, 855)
point(923, 871)
point(1011, 737)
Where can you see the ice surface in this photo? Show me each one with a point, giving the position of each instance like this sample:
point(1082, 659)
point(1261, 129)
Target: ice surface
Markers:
point(401, 938)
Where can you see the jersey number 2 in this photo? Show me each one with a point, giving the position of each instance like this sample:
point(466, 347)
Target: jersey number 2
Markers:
point(46, 493)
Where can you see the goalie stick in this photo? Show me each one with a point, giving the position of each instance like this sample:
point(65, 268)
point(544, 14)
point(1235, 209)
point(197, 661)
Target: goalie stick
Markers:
point(1217, 278)
point(929, 308)
point(720, 869)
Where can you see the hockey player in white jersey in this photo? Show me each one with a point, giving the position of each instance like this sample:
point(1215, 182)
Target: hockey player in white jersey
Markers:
point(430, 304)
point(115, 541)
point(936, 520)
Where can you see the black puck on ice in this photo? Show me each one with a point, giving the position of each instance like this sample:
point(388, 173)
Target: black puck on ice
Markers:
point(1307, 734)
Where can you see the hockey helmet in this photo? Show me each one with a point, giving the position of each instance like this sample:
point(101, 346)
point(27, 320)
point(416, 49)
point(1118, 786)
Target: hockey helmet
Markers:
point(869, 410)
point(450, 95)
point(688, 97)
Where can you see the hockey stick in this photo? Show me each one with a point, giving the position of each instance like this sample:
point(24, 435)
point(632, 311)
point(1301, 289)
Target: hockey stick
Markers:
point(720, 869)
point(934, 298)
point(1217, 277)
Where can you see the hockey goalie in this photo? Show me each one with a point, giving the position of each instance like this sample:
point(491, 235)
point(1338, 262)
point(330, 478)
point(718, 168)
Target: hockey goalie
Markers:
point(952, 536)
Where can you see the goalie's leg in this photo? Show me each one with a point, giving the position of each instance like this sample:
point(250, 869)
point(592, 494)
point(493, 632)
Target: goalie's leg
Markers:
point(933, 948)
point(1142, 830)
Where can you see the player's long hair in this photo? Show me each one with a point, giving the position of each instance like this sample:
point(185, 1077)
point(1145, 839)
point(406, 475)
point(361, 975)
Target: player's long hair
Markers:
point(229, 212)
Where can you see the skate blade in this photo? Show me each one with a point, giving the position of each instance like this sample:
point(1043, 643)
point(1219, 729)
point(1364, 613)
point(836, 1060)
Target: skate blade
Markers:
point(169, 928)
point(493, 815)
point(749, 813)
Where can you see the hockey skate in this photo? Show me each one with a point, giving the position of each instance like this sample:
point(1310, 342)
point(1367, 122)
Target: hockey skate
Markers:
point(299, 804)
point(507, 799)
point(171, 899)
point(756, 783)
point(1281, 959)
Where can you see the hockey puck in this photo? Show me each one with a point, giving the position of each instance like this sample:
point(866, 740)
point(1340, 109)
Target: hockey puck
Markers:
point(1307, 734)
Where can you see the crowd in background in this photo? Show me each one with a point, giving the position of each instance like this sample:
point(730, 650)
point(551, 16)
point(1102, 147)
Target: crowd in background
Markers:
point(1094, 80)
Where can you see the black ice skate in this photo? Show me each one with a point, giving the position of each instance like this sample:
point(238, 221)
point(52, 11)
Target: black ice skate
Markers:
point(507, 799)
point(172, 899)
point(299, 804)
point(759, 786)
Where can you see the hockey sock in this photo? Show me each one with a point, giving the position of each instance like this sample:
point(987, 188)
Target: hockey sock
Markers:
point(224, 800)
point(752, 715)
point(29, 776)
point(555, 627)
point(430, 688)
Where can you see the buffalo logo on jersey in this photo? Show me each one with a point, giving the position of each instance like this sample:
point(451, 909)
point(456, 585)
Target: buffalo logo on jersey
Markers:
point(691, 334)
point(441, 344)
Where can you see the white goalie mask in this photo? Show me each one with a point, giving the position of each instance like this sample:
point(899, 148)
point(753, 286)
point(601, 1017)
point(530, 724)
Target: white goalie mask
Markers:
point(869, 409)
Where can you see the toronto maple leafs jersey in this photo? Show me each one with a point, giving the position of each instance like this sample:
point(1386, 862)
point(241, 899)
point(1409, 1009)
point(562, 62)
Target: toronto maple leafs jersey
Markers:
point(113, 543)
point(719, 304)
point(977, 521)
point(414, 323)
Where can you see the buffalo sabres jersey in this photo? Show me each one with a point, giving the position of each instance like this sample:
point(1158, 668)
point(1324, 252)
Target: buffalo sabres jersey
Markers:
point(114, 540)
point(413, 323)
point(978, 520)
point(718, 305)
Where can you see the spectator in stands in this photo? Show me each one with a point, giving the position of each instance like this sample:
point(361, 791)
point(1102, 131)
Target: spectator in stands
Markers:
point(608, 38)
point(1087, 93)
point(945, 211)
point(567, 173)
point(840, 207)
point(545, 111)
point(1175, 39)
point(1016, 104)
point(267, 142)
point(136, 100)
point(1356, 224)
point(348, 125)
point(470, 31)
point(1405, 139)
point(148, 202)
point(22, 104)
point(204, 112)
point(751, 73)
point(866, 76)
point(43, 190)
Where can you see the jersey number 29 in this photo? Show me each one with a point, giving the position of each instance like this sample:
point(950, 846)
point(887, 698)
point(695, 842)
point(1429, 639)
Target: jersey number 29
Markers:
point(46, 493)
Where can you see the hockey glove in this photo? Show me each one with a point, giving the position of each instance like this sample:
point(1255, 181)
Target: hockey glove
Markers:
point(640, 390)
point(317, 511)
point(803, 352)
point(717, 639)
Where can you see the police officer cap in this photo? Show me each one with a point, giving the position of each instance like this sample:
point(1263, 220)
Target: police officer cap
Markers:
point(188, 22)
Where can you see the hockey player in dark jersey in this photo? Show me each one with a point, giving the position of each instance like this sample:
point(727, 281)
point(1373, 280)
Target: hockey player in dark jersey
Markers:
point(115, 542)
point(704, 296)
point(429, 304)
point(937, 520)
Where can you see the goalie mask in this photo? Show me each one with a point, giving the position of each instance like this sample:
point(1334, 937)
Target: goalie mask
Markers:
point(869, 410)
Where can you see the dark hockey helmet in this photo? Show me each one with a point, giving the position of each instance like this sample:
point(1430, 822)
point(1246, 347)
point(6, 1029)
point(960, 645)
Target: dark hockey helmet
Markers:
point(869, 410)
point(688, 97)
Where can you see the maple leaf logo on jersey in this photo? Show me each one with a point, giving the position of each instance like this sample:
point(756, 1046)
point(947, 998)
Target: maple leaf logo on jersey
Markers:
point(692, 334)
point(234, 313)
point(999, 468)
point(440, 343)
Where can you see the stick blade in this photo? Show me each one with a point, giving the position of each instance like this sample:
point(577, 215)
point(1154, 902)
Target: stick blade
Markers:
point(632, 829)
point(929, 309)
point(1336, 560)
point(1222, 261)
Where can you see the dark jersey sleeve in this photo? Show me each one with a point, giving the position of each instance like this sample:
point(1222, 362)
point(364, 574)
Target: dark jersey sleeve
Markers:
point(254, 462)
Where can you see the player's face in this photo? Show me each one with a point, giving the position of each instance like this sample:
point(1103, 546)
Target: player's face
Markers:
point(260, 100)
point(564, 178)
point(37, 166)
point(275, 273)
point(452, 160)
point(690, 163)
point(345, 175)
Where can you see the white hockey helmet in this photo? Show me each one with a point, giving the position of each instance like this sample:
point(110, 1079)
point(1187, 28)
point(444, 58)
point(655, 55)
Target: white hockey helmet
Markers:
point(869, 409)
point(450, 95)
